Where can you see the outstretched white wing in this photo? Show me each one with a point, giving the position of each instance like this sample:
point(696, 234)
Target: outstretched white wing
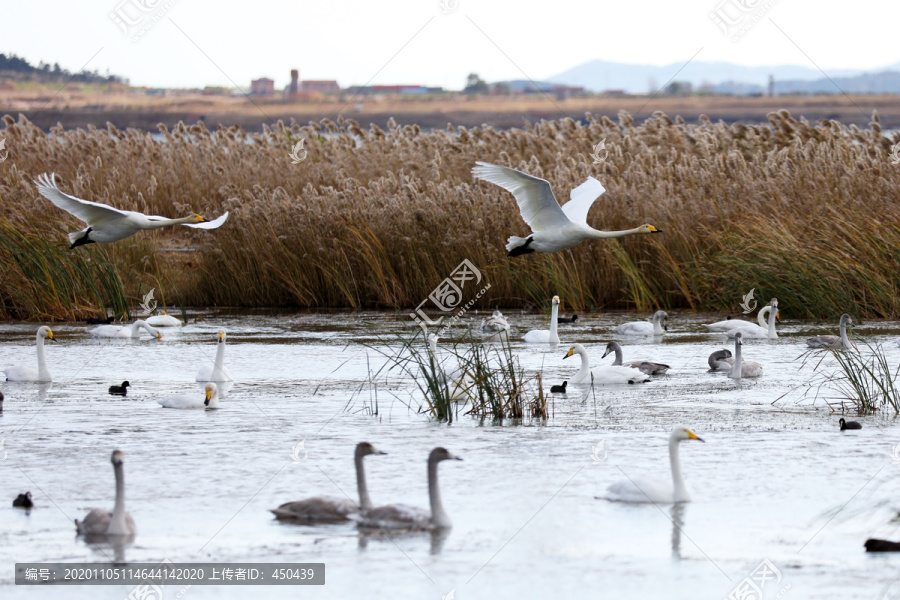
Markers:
point(87, 211)
point(581, 200)
point(537, 204)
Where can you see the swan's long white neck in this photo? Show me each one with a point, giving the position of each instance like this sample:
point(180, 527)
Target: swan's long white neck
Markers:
point(554, 315)
point(761, 316)
point(735, 372)
point(154, 224)
point(681, 493)
point(117, 523)
point(43, 371)
point(845, 341)
point(585, 369)
point(365, 503)
point(438, 516)
point(773, 312)
point(597, 234)
point(137, 326)
point(218, 374)
point(657, 328)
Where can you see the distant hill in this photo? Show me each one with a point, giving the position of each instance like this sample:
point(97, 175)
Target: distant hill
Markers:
point(18, 69)
point(600, 75)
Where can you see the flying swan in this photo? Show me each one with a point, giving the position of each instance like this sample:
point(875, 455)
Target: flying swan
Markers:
point(107, 224)
point(326, 509)
point(42, 374)
point(101, 523)
point(554, 227)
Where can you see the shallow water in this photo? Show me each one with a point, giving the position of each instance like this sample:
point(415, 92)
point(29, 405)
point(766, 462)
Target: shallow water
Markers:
point(775, 479)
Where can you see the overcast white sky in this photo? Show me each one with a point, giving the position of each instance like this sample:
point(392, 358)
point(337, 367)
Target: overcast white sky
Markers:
point(200, 42)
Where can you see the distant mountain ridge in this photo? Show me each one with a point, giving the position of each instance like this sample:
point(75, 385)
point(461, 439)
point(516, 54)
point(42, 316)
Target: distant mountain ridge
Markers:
point(723, 77)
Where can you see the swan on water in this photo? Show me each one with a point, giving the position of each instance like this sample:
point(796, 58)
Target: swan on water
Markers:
point(657, 491)
point(554, 227)
point(604, 374)
point(743, 368)
point(720, 360)
point(496, 323)
point(132, 331)
point(645, 366)
point(658, 325)
point(326, 509)
point(101, 522)
point(164, 320)
point(833, 341)
point(411, 518)
point(729, 324)
point(195, 400)
point(543, 336)
point(106, 224)
point(752, 330)
point(216, 371)
point(39, 375)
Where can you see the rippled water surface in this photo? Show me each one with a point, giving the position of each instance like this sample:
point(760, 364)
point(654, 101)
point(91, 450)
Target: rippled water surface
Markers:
point(775, 479)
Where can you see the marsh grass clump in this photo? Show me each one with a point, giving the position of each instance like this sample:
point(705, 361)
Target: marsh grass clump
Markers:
point(864, 380)
point(375, 218)
point(468, 377)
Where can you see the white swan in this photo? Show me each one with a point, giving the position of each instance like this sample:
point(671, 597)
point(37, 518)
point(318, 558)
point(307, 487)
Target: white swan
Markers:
point(326, 509)
point(604, 374)
point(657, 491)
point(107, 224)
point(554, 228)
point(833, 341)
point(543, 336)
point(720, 360)
point(132, 331)
point(743, 368)
point(216, 371)
point(751, 330)
point(164, 321)
point(729, 324)
point(496, 323)
point(42, 374)
point(411, 518)
point(658, 325)
point(193, 400)
point(644, 366)
point(101, 522)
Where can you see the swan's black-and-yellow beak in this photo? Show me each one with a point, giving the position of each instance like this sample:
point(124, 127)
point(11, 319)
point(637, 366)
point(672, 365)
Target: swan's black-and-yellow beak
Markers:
point(570, 353)
point(221, 336)
point(654, 229)
point(158, 337)
point(201, 219)
point(693, 436)
point(49, 334)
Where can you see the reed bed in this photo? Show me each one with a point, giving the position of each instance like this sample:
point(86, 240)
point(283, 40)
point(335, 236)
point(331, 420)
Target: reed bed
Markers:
point(807, 213)
point(863, 380)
